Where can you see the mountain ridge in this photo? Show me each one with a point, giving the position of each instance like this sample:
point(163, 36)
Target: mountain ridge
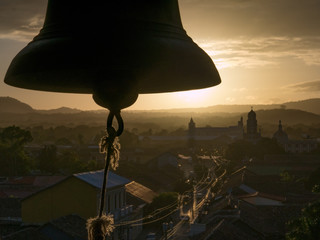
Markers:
point(12, 105)
point(157, 120)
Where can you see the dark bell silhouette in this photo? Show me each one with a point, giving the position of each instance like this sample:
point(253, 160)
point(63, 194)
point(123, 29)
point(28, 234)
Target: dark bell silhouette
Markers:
point(114, 50)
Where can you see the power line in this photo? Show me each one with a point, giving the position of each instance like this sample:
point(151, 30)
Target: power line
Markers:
point(156, 220)
point(153, 214)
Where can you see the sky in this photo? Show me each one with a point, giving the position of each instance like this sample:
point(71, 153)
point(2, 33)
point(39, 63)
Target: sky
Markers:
point(266, 51)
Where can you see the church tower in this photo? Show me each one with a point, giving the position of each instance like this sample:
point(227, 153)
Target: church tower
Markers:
point(192, 128)
point(280, 135)
point(252, 124)
point(252, 127)
point(191, 133)
point(240, 123)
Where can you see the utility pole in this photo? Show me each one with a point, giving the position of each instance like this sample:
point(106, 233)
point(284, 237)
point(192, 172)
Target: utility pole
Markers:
point(181, 205)
point(194, 206)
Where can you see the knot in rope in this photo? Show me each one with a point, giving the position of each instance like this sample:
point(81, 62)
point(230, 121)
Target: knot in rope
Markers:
point(110, 143)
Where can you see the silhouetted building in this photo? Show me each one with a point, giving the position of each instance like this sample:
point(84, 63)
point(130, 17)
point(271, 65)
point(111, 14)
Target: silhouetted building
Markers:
point(252, 133)
point(192, 128)
point(301, 146)
point(240, 123)
point(211, 133)
point(191, 133)
point(280, 135)
point(80, 194)
point(294, 146)
point(233, 132)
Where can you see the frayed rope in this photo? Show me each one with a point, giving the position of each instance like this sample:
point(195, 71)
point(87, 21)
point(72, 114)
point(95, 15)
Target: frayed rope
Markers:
point(99, 227)
point(114, 149)
point(102, 225)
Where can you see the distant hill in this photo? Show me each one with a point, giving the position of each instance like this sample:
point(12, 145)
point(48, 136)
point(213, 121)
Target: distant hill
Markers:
point(287, 116)
point(8, 104)
point(309, 105)
point(64, 110)
point(236, 108)
point(241, 108)
point(12, 105)
point(18, 113)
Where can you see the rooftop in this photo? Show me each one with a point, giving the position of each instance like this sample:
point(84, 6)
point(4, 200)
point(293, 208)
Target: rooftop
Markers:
point(263, 199)
point(140, 191)
point(26, 234)
point(96, 179)
point(73, 227)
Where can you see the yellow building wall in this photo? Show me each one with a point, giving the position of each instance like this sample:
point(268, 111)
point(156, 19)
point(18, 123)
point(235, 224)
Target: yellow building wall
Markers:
point(71, 196)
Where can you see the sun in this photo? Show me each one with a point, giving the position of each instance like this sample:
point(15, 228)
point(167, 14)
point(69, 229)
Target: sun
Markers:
point(193, 98)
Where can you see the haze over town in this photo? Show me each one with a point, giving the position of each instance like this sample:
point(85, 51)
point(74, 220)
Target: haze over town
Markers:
point(238, 161)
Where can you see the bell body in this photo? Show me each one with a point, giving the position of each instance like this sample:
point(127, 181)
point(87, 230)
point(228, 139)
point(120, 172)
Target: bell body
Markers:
point(109, 47)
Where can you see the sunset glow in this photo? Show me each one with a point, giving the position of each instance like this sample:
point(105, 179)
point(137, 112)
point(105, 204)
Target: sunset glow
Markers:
point(193, 97)
point(263, 51)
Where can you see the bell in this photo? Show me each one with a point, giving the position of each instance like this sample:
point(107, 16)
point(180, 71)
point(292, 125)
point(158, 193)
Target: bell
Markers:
point(114, 50)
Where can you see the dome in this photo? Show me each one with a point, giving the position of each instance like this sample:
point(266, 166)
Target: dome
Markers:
point(251, 114)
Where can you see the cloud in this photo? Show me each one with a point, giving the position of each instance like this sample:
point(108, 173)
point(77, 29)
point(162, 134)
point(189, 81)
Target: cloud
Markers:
point(307, 86)
point(234, 18)
point(21, 20)
point(215, 18)
point(238, 33)
point(256, 52)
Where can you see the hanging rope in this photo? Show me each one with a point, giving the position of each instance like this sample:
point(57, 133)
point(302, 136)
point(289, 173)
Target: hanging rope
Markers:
point(102, 225)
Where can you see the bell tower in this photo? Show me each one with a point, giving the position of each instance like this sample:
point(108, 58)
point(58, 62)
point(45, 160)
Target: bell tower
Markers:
point(191, 133)
point(252, 127)
point(252, 124)
point(192, 128)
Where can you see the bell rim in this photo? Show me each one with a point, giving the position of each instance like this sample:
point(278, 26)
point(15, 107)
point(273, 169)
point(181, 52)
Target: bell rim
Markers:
point(21, 80)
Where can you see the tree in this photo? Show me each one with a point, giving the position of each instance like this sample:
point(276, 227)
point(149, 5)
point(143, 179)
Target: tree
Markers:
point(241, 149)
point(147, 133)
point(48, 160)
point(13, 158)
point(307, 227)
point(266, 146)
point(69, 162)
point(313, 179)
point(63, 141)
point(316, 188)
point(286, 177)
point(129, 139)
point(80, 139)
point(92, 166)
point(238, 150)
